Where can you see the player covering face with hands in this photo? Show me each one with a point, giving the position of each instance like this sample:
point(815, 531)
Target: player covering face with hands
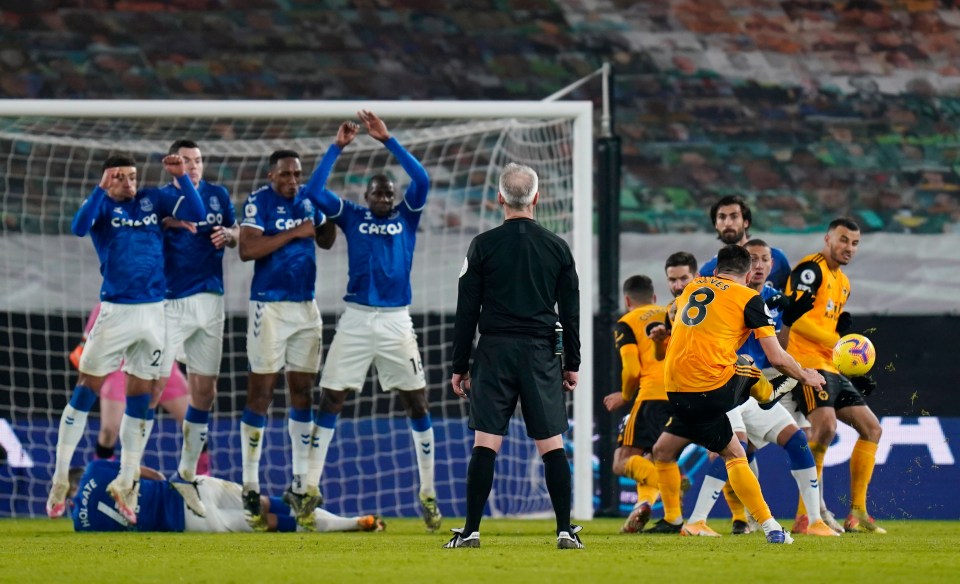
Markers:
point(124, 224)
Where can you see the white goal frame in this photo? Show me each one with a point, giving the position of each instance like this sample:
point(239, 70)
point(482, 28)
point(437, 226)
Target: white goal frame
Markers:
point(580, 112)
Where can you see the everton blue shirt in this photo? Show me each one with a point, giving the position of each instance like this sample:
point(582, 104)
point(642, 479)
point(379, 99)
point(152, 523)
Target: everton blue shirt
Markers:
point(379, 250)
point(752, 346)
point(129, 240)
point(288, 274)
point(191, 262)
point(159, 507)
point(778, 274)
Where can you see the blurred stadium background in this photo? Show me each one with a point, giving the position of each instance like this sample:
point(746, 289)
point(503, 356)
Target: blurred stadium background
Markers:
point(809, 109)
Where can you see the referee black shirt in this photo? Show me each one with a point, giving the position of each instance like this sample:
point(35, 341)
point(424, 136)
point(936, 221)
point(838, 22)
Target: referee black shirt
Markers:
point(512, 278)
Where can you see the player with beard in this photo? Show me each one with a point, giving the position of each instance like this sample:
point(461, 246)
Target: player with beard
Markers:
point(813, 338)
point(760, 427)
point(731, 217)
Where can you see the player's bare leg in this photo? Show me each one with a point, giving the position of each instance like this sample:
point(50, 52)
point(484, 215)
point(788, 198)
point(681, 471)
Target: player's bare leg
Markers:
point(418, 411)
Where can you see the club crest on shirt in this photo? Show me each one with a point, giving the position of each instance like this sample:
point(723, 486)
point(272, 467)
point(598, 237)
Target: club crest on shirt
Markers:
point(770, 312)
point(214, 204)
point(308, 206)
point(146, 205)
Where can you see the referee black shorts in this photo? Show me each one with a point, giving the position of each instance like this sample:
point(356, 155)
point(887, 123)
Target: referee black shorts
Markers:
point(507, 369)
point(701, 416)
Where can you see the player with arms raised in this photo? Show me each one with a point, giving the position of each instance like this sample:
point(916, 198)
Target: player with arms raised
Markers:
point(124, 224)
point(284, 329)
point(376, 326)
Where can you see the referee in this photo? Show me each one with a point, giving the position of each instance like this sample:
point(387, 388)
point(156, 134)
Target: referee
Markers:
point(511, 281)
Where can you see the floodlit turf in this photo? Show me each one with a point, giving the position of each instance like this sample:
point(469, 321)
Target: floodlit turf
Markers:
point(47, 551)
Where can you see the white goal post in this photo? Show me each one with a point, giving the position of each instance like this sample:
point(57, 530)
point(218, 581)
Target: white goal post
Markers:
point(448, 119)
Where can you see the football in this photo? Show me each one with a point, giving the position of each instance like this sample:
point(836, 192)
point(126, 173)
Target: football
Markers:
point(854, 355)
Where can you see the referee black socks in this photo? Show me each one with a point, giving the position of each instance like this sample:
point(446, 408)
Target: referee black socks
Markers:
point(556, 471)
point(479, 483)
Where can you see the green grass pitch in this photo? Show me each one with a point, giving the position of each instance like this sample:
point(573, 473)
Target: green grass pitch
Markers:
point(40, 550)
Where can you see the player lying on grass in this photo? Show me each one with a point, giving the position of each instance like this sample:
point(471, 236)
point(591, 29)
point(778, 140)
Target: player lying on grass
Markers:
point(161, 507)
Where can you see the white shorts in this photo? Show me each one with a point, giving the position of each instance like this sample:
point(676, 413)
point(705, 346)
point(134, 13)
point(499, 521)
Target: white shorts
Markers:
point(763, 426)
point(382, 336)
point(790, 405)
point(736, 419)
point(223, 501)
point(194, 333)
point(131, 334)
point(284, 335)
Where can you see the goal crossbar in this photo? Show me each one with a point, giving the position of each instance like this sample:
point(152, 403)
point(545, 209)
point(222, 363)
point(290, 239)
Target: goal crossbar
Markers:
point(579, 112)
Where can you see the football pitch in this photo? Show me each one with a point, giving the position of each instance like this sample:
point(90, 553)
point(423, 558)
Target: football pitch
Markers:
point(40, 550)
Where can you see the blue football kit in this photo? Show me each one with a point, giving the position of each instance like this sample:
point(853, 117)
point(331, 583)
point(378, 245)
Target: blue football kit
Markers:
point(752, 346)
point(159, 507)
point(191, 262)
point(288, 274)
point(129, 239)
point(379, 249)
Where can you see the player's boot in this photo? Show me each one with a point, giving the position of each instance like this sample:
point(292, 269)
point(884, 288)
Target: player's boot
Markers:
point(252, 511)
point(830, 520)
point(431, 513)
point(698, 529)
point(821, 529)
point(569, 540)
point(800, 525)
point(782, 385)
point(459, 541)
point(190, 493)
point(57, 500)
point(861, 522)
point(372, 523)
point(779, 536)
point(740, 528)
point(664, 527)
point(303, 505)
point(638, 518)
point(125, 498)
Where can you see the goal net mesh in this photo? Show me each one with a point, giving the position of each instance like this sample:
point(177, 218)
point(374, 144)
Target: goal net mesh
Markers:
point(49, 282)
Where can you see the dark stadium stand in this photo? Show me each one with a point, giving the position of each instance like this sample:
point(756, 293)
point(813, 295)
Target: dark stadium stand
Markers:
point(808, 108)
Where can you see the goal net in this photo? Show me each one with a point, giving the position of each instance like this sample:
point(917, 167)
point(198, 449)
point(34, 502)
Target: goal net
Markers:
point(51, 153)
